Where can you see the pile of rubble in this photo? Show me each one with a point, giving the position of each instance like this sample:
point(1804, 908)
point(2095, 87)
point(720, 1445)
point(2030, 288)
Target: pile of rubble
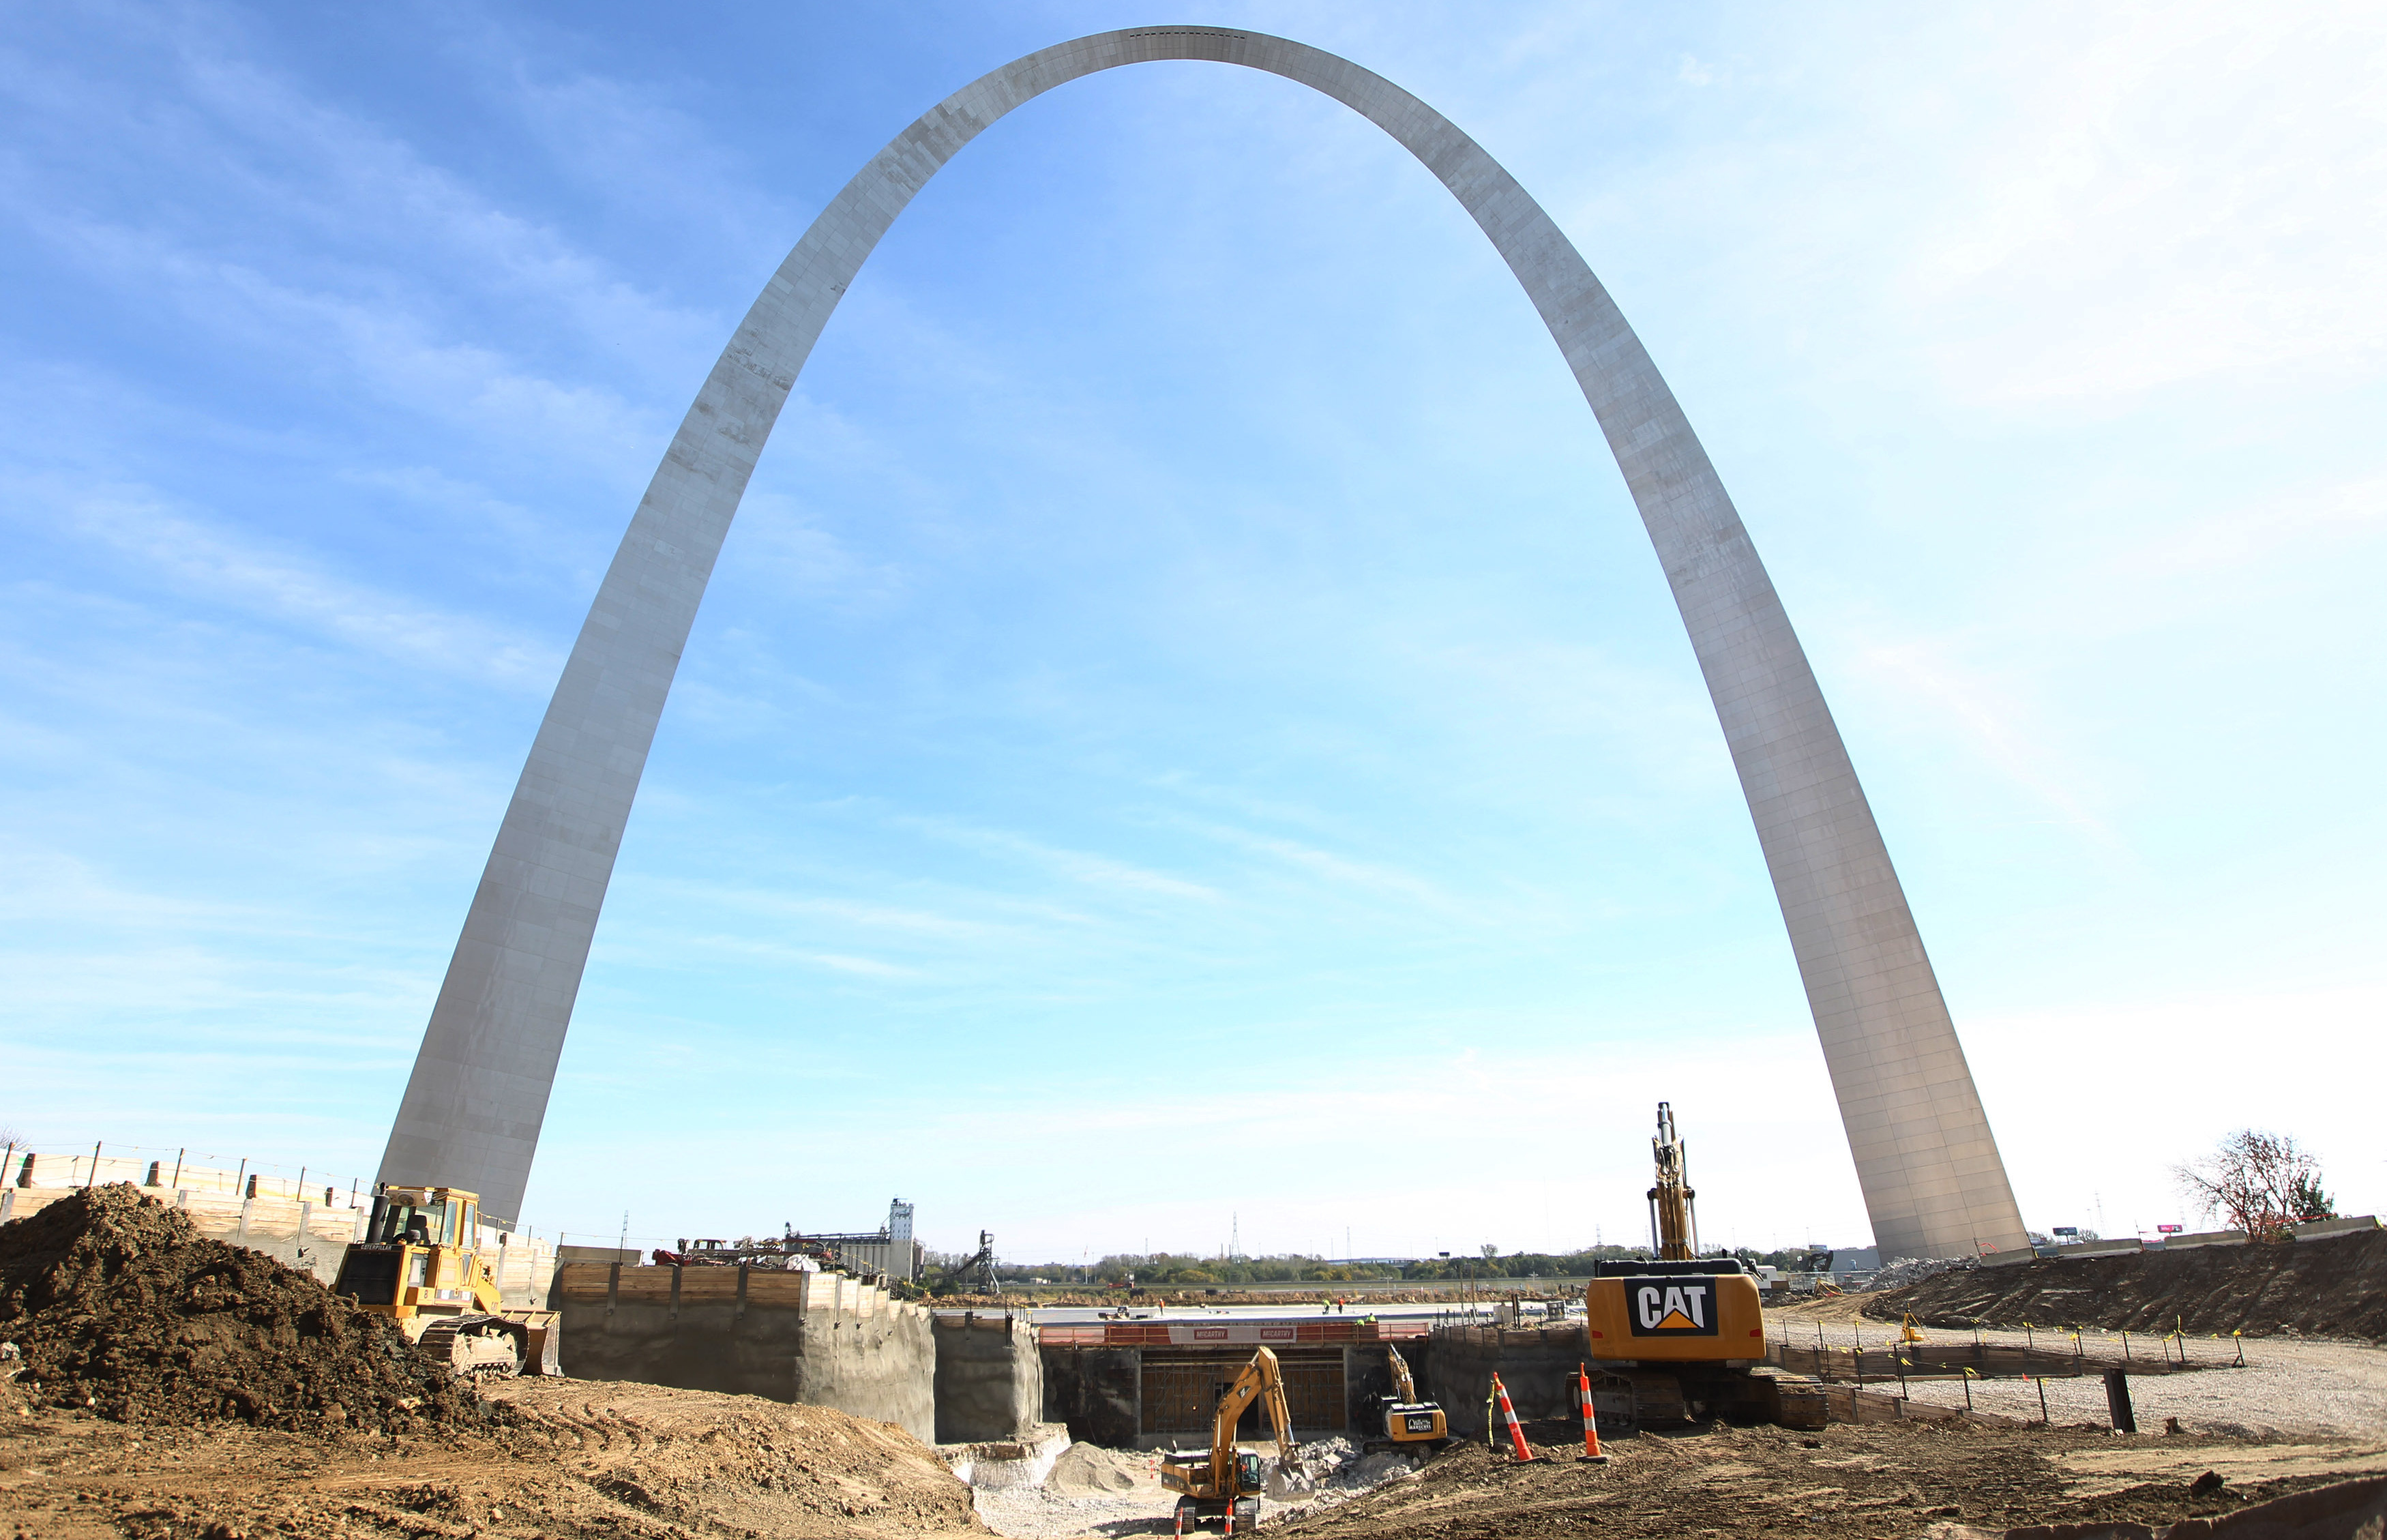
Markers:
point(1905, 1270)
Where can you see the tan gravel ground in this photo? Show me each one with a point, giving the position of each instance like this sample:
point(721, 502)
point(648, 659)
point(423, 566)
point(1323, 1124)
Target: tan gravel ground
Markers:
point(1071, 1508)
point(2300, 1389)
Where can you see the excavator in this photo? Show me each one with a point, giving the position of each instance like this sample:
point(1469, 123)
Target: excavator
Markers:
point(1677, 1336)
point(1409, 1423)
point(420, 1265)
point(1224, 1484)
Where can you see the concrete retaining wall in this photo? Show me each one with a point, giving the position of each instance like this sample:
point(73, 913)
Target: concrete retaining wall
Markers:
point(1536, 1364)
point(2321, 1230)
point(2206, 1238)
point(989, 1378)
point(822, 1339)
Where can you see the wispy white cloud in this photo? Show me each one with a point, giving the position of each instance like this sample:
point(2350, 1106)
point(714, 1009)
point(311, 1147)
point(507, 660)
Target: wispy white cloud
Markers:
point(842, 910)
point(1086, 867)
point(2022, 744)
point(382, 349)
point(2295, 521)
point(218, 565)
point(833, 962)
point(1377, 879)
point(2178, 192)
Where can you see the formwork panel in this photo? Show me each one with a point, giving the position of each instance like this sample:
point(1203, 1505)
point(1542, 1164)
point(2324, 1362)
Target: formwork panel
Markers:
point(1180, 1392)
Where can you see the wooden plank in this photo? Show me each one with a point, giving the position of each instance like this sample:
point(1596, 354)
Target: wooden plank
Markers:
point(781, 1291)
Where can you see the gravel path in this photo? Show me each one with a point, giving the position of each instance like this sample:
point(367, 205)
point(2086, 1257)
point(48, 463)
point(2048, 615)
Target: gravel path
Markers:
point(1036, 1513)
point(1054, 1511)
point(2299, 1388)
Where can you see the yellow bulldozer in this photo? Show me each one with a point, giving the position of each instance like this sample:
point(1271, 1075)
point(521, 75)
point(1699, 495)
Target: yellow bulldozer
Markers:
point(420, 1263)
point(1224, 1484)
point(1679, 1336)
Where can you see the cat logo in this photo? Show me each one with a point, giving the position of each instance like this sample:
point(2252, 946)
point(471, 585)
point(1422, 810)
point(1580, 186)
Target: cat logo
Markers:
point(1674, 1308)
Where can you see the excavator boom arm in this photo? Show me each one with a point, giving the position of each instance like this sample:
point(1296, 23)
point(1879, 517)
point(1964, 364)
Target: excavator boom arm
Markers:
point(1674, 1231)
point(1281, 1414)
point(1263, 1380)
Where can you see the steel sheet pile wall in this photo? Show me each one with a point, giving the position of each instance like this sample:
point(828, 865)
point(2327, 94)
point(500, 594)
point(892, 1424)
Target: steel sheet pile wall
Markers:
point(821, 1339)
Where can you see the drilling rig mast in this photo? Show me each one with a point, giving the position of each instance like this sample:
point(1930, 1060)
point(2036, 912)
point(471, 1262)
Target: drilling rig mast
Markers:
point(1673, 1226)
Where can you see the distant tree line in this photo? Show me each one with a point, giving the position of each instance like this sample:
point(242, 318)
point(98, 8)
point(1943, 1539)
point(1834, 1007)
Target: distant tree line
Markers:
point(1181, 1271)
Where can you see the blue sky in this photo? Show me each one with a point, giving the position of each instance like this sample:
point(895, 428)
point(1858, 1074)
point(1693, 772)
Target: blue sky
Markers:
point(1187, 734)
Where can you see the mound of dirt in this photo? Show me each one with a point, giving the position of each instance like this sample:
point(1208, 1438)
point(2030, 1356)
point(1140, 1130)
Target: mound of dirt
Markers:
point(567, 1459)
point(121, 1308)
point(2329, 1288)
point(1087, 1468)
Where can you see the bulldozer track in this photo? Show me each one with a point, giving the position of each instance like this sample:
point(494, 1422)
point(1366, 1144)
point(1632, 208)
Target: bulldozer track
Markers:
point(449, 1343)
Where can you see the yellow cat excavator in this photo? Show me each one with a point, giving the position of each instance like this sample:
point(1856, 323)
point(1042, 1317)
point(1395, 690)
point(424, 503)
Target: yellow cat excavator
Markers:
point(420, 1263)
point(1680, 1335)
point(1224, 1484)
point(1409, 1423)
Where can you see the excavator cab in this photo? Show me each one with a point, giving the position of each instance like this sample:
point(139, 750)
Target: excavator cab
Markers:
point(420, 1263)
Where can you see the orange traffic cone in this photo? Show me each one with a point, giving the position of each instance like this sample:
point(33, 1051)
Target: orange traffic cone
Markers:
point(1516, 1433)
point(1590, 1419)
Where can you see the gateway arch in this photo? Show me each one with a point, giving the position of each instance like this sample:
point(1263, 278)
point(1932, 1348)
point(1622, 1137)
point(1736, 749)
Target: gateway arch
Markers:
point(1933, 1182)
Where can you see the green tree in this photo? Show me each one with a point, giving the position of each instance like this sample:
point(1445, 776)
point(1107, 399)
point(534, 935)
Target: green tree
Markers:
point(2307, 1201)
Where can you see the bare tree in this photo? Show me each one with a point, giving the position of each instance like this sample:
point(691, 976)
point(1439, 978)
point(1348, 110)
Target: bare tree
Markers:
point(2260, 1182)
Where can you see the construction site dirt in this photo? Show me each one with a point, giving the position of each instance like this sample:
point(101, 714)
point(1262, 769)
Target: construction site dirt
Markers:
point(171, 1388)
point(1898, 1479)
point(562, 1459)
point(167, 1385)
point(2334, 1287)
point(117, 1303)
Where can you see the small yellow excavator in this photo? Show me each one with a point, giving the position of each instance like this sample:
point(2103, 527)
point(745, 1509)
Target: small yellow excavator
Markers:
point(1225, 1483)
point(420, 1265)
point(1411, 1424)
point(1678, 1336)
